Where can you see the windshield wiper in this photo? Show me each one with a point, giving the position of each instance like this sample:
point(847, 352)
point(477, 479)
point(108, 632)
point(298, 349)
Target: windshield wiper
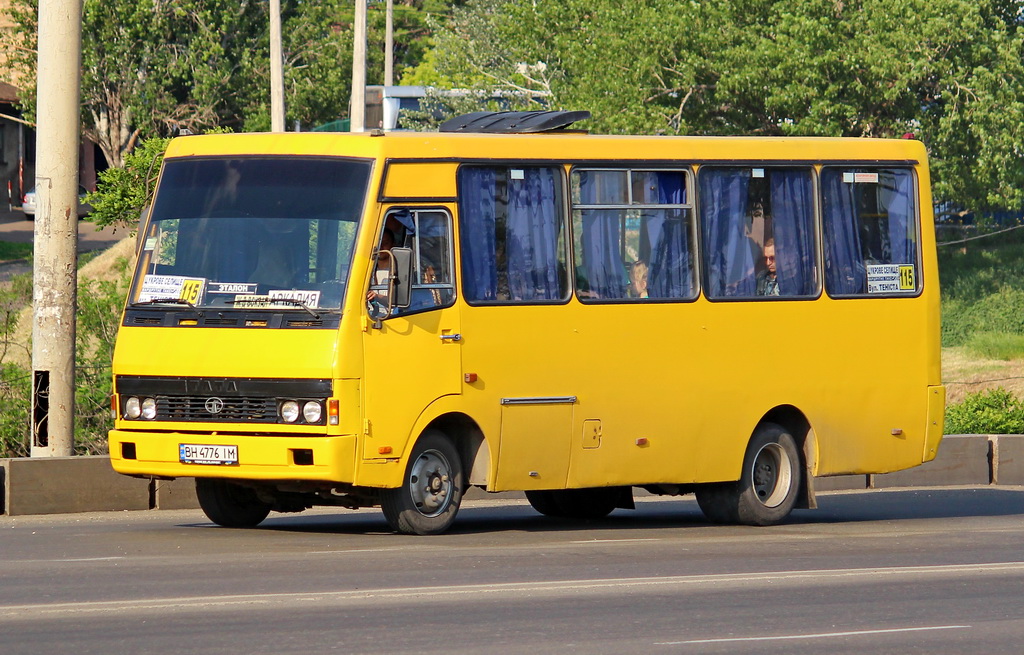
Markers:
point(286, 301)
point(166, 301)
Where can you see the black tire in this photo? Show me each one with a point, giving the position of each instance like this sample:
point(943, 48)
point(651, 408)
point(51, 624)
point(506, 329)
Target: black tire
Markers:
point(544, 502)
point(768, 487)
point(595, 503)
point(230, 505)
point(431, 491)
point(715, 501)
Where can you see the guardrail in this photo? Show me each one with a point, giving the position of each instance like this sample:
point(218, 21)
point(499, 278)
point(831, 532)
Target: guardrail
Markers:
point(62, 485)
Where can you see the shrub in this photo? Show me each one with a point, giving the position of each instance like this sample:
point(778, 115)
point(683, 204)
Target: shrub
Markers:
point(993, 411)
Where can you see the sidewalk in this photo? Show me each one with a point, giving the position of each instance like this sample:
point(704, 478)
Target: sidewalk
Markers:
point(14, 228)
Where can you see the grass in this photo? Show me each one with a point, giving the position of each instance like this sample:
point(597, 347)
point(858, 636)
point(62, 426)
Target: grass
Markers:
point(10, 251)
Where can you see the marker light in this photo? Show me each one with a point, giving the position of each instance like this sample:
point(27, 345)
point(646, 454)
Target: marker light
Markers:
point(333, 412)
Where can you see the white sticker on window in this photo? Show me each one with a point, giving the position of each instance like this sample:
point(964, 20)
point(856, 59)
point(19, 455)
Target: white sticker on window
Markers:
point(891, 278)
point(757, 172)
point(865, 178)
point(150, 243)
point(232, 287)
point(164, 287)
point(848, 178)
point(307, 298)
point(518, 174)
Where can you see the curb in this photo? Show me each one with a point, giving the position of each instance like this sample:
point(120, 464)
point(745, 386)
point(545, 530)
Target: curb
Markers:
point(63, 485)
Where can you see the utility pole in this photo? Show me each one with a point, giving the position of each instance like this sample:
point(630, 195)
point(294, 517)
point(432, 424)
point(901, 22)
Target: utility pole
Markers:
point(389, 44)
point(357, 113)
point(55, 267)
point(276, 69)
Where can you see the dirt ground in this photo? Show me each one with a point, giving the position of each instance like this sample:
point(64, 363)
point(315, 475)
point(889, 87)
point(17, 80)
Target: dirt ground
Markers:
point(963, 373)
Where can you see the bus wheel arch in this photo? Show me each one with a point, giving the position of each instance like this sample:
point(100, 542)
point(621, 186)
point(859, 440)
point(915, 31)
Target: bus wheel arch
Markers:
point(792, 419)
point(469, 440)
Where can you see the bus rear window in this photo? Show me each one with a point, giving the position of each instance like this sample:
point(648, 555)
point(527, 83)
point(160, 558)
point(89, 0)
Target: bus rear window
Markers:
point(252, 233)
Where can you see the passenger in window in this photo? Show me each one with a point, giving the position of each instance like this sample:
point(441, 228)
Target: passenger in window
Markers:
point(638, 279)
point(767, 280)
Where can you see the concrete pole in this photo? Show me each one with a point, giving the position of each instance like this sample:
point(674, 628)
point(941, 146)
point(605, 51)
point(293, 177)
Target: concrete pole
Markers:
point(276, 69)
point(56, 228)
point(357, 112)
point(389, 44)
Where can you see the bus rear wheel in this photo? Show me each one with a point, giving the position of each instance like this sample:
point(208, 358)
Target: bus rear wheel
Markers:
point(431, 490)
point(767, 490)
point(230, 505)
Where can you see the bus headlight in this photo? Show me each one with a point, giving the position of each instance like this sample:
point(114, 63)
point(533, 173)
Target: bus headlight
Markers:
point(290, 411)
point(132, 407)
point(149, 408)
point(312, 411)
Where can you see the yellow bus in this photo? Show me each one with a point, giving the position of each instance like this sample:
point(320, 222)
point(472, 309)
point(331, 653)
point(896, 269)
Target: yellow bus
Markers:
point(390, 319)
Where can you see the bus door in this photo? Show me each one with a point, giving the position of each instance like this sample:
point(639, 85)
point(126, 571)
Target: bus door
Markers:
point(517, 334)
point(411, 355)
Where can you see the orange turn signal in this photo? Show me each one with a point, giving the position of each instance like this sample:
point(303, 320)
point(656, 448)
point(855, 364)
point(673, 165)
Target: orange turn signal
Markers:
point(384, 450)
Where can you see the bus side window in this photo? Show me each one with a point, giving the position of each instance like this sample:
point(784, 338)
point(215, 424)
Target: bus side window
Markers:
point(512, 233)
point(870, 230)
point(758, 230)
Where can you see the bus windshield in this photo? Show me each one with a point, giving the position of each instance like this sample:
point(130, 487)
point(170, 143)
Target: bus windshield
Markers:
point(252, 233)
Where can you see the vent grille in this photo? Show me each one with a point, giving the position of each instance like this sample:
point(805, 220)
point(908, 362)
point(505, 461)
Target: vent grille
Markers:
point(144, 320)
point(198, 408)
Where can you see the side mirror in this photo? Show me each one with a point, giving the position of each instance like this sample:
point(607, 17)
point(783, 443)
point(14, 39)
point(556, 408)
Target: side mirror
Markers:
point(400, 285)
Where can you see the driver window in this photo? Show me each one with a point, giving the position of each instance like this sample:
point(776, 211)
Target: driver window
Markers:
point(427, 232)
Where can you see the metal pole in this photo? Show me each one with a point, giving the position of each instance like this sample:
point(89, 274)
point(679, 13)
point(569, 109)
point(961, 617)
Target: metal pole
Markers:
point(389, 44)
point(56, 228)
point(276, 69)
point(357, 113)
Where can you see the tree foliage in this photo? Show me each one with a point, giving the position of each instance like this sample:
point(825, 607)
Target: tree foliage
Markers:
point(153, 67)
point(949, 72)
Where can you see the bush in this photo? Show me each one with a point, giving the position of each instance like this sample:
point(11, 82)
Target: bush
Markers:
point(994, 411)
point(1002, 311)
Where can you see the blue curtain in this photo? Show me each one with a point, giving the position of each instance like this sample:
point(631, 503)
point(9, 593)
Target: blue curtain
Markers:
point(602, 236)
point(730, 263)
point(792, 202)
point(666, 236)
point(844, 261)
point(900, 207)
point(532, 231)
point(477, 209)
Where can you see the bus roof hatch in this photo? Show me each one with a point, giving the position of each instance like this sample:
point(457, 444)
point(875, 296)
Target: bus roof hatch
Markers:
point(513, 122)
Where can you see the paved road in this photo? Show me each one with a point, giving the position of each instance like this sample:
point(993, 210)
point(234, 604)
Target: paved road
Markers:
point(15, 229)
point(912, 571)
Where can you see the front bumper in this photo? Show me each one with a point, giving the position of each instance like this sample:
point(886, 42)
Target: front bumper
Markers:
point(277, 457)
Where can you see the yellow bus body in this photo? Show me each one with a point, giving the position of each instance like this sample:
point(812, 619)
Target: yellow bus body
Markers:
point(652, 394)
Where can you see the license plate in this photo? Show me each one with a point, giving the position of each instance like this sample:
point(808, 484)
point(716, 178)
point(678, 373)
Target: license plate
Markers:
point(193, 453)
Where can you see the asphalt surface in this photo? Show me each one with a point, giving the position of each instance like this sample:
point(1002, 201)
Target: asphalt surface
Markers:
point(905, 571)
point(14, 228)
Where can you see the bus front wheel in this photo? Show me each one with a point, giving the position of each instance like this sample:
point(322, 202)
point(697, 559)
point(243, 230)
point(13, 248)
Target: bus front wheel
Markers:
point(431, 490)
point(767, 490)
point(230, 505)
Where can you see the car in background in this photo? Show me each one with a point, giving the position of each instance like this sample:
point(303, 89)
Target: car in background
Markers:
point(28, 203)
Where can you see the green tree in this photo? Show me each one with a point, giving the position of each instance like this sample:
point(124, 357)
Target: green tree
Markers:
point(948, 71)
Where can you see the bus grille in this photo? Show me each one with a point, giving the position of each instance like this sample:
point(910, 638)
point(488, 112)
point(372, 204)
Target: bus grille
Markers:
point(198, 408)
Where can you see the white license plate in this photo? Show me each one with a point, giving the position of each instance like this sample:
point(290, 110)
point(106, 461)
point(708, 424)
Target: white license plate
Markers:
point(195, 453)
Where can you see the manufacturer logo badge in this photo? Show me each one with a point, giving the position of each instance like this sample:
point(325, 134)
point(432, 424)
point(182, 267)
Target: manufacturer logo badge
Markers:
point(214, 405)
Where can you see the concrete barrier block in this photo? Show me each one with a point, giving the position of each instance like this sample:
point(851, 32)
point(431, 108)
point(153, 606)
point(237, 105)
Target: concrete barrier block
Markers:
point(3, 486)
point(176, 494)
point(58, 485)
point(962, 459)
point(1009, 457)
point(841, 483)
